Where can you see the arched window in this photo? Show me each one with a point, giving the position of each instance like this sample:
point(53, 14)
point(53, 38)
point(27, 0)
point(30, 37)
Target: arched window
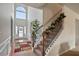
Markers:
point(20, 13)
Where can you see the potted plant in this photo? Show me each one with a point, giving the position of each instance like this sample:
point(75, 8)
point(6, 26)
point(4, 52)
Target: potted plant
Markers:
point(34, 27)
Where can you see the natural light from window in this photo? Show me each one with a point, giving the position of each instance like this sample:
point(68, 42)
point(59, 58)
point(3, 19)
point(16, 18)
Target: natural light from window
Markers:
point(20, 13)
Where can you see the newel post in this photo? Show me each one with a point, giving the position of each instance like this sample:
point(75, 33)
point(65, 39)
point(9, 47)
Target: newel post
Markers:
point(33, 37)
point(43, 52)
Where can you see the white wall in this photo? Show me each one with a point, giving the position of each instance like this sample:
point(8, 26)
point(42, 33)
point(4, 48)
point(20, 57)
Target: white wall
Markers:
point(66, 40)
point(33, 14)
point(5, 21)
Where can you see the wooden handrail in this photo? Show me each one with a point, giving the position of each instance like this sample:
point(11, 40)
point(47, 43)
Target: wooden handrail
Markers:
point(43, 52)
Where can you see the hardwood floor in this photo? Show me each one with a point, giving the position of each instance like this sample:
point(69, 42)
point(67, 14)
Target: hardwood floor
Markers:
point(25, 53)
point(71, 53)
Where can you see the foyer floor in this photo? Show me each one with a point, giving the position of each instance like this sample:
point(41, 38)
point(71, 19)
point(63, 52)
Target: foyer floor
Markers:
point(72, 52)
point(25, 53)
point(24, 48)
point(30, 53)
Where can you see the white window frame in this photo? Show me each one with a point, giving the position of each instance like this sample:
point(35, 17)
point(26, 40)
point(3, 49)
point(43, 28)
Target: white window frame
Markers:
point(24, 33)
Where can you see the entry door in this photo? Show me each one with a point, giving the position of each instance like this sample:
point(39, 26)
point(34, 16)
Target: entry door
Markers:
point(21, 31)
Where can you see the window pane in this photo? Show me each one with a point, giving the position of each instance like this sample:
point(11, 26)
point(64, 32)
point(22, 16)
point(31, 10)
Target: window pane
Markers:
point(25, 30)
point(16, 30)
point(20, 9)
point(20, 15)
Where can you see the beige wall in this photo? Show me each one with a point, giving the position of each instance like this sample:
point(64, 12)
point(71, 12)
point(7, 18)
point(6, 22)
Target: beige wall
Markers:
point(66, 40)
point(77, 33)
point(49, 11)
point(73, 6)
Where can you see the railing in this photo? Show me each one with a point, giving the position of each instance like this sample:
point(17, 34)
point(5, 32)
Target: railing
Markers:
point(54, 39)
point(50, 34)
point(46, 24)
point(5, 47)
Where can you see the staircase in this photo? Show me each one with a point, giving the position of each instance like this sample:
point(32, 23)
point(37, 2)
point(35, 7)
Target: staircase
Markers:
point(48, 35)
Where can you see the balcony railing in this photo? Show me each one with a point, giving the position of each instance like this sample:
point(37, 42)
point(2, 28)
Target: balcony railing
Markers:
point(5, 47)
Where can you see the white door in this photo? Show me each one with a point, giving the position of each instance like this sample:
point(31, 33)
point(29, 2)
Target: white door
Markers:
point(20, 31)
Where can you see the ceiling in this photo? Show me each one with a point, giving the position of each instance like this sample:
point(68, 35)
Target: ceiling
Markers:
point(40, 5)
point(36, 5)
point(73, 6)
